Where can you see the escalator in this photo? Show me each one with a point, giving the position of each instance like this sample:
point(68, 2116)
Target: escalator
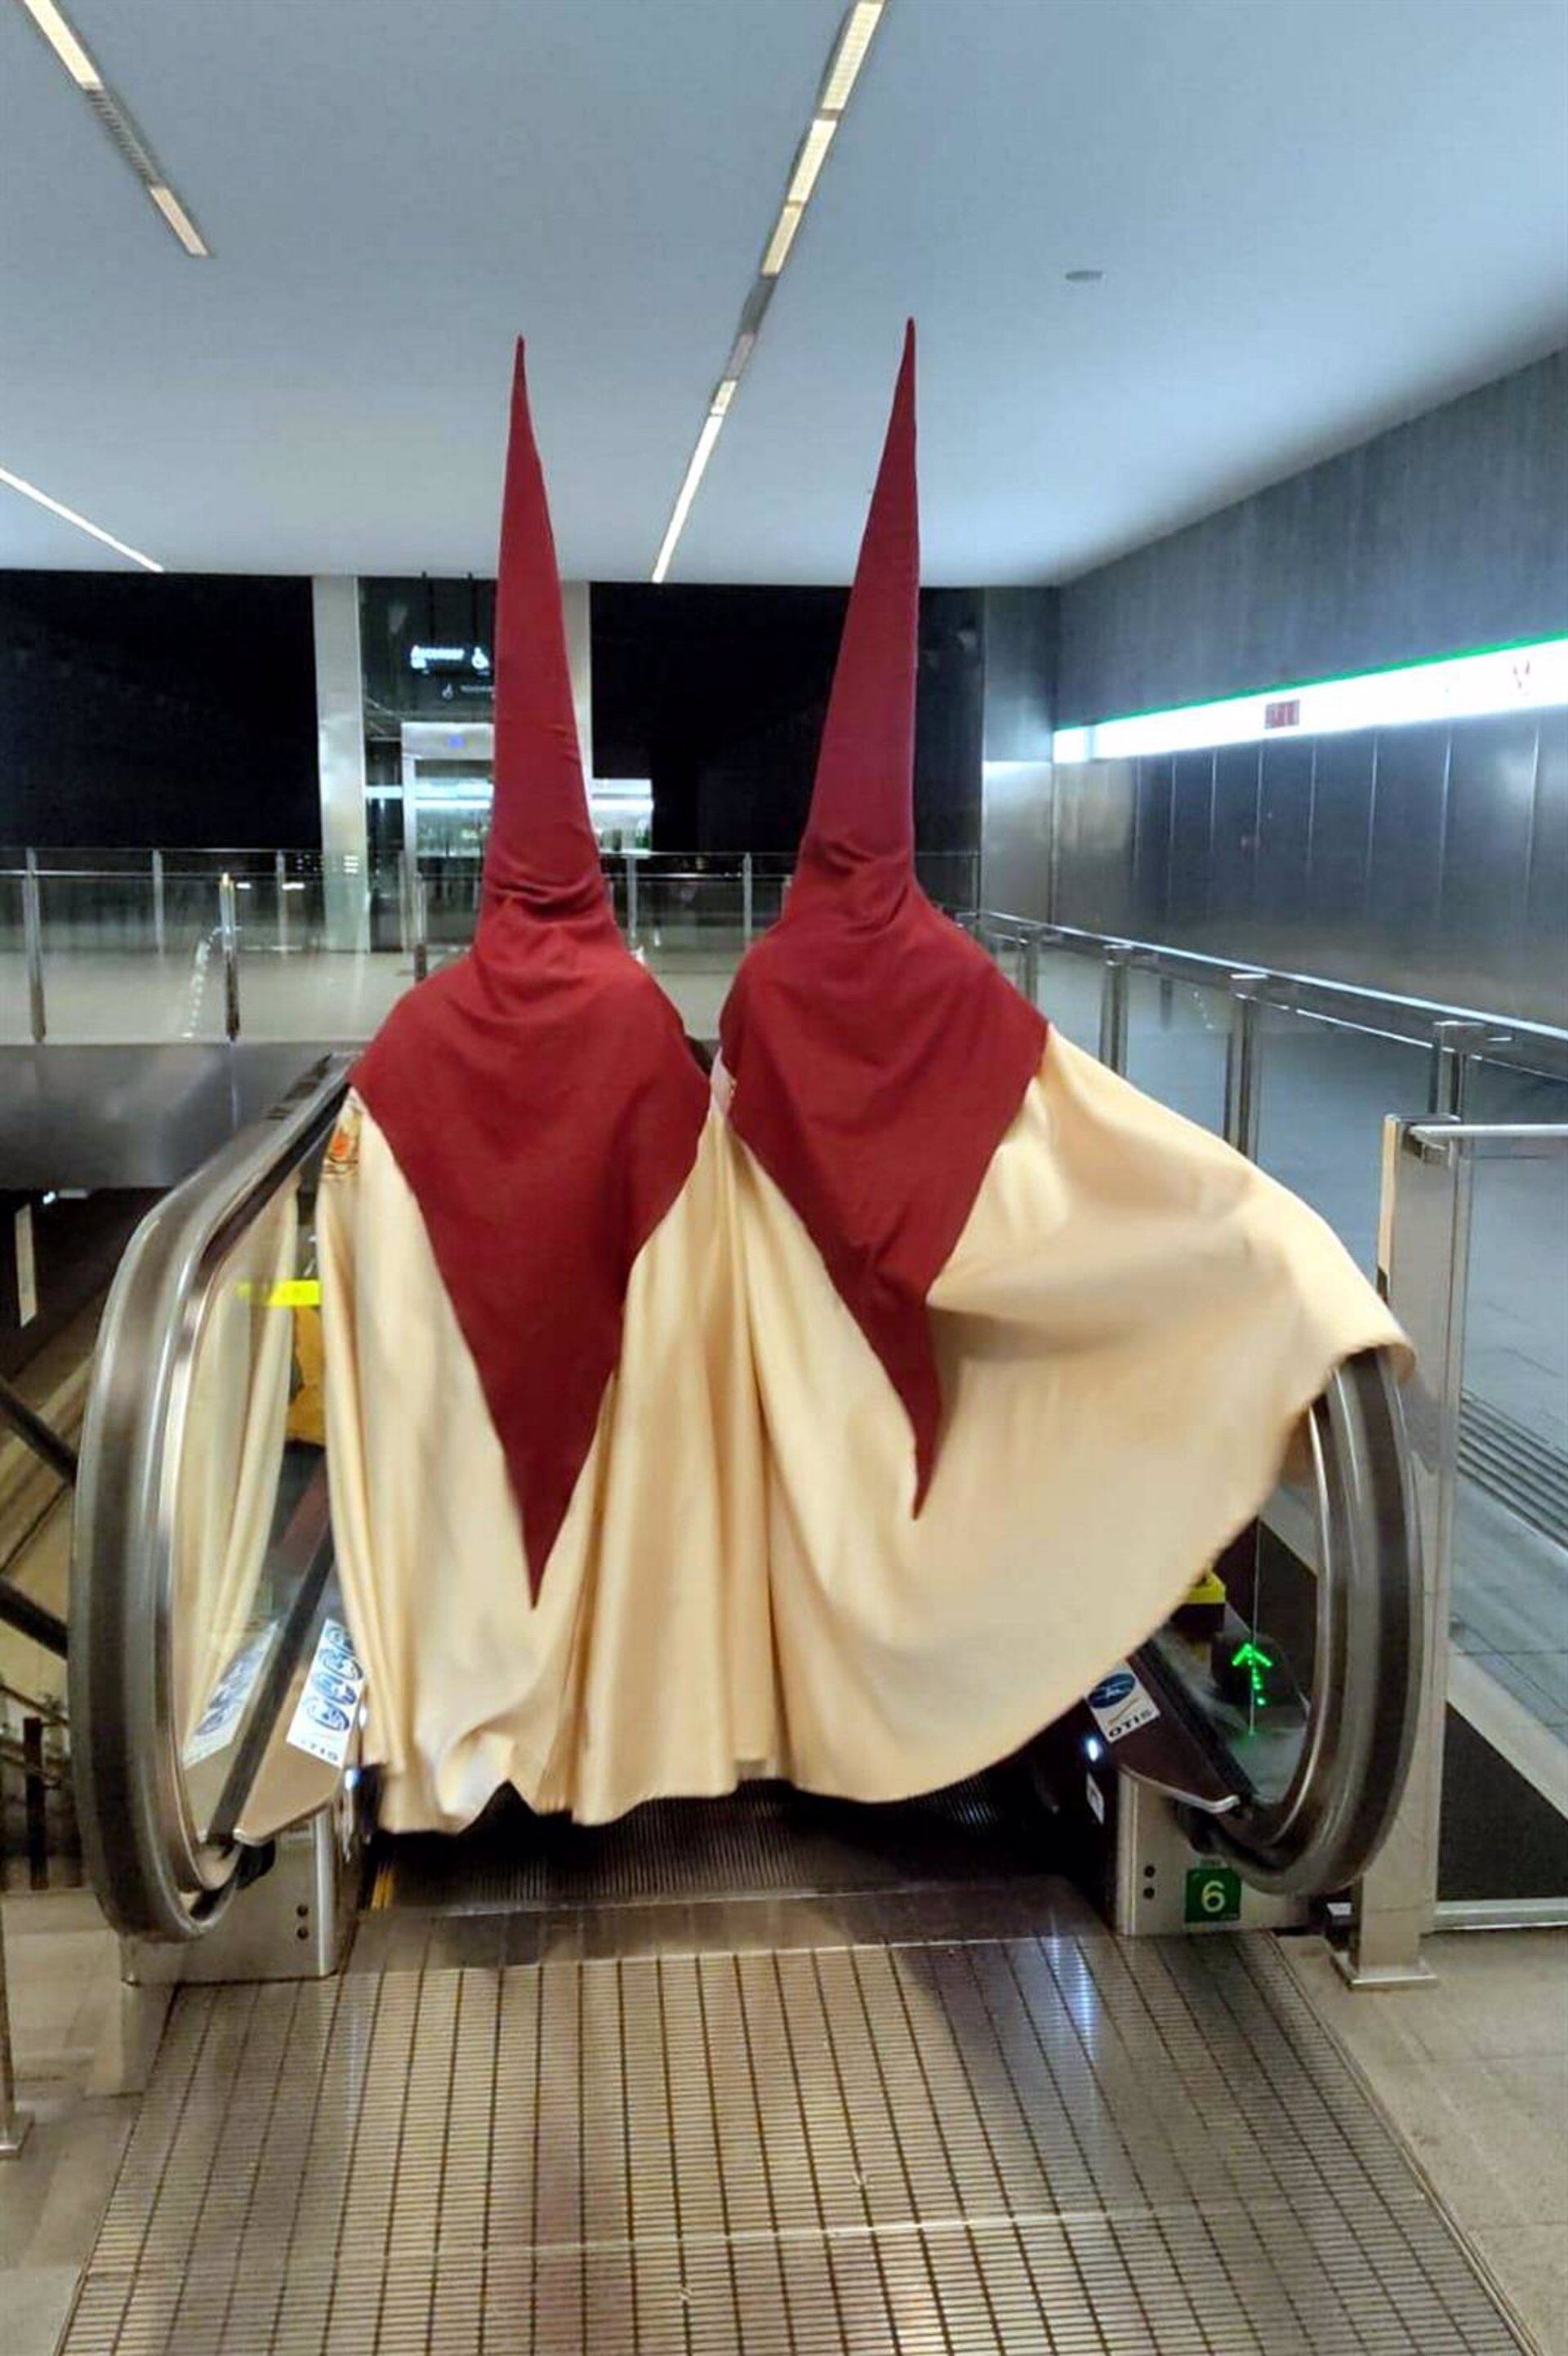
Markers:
point(766, 2072)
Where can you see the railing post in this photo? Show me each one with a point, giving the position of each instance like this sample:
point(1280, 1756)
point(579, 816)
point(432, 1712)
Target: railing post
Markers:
point(229, 935)
point(421, 930)
point(1452, 1042)
point(1424, 1257)
point(631, 916)
point(280, 874)
point(405, 914)
point(1032, 968)
point(1242, 1058)
point(1115, 981)
point(159, 937)
point(33, 946)
point(746, 912)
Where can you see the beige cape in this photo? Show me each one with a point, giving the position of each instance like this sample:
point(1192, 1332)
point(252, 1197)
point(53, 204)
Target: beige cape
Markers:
point(1128, 1330)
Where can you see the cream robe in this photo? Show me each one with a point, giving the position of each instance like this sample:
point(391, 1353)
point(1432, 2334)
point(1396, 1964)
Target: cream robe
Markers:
point(232, 1452)
point(1130, 1325)
point(646, 1666)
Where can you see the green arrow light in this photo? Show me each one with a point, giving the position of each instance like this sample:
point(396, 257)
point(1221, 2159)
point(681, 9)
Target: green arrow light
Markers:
point(1255, 1661)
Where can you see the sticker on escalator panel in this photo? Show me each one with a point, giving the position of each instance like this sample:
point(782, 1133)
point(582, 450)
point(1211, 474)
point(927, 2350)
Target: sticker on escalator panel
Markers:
point(323, 1722)
point(1121, 1703)
point(215, 1728)
point(290, 1292)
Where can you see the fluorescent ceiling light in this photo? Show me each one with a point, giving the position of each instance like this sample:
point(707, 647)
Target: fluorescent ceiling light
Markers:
point(812, 157)
point(1458, 686)
point(850, 55)
point(117, 122)
point(854, 41)
point(69, 515)
point(700, 456)
point(783, 239)
point(179, 220)
point(63, 41)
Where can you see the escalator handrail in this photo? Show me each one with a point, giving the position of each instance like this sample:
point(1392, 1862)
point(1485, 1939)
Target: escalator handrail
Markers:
point(151, 1869)
point(1324, 1830)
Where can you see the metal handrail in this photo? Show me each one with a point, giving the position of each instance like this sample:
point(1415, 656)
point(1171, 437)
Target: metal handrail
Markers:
point(1351, 1006)
point(1350, 1778)
point(154, 1871)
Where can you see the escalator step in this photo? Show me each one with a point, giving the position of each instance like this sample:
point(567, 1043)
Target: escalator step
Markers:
point(765, 1837)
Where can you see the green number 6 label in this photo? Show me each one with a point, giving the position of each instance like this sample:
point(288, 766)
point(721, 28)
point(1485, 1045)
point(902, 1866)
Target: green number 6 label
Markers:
point(1213, 1894)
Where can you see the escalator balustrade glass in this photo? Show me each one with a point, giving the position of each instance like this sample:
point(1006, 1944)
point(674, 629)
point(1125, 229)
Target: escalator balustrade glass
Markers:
point(202, 1548)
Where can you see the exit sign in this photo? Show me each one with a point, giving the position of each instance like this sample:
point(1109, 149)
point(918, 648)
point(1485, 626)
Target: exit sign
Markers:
point(1213, 1894)
point(1284, 714)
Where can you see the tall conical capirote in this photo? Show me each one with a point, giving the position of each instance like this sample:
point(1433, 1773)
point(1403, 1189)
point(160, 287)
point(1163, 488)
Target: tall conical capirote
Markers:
point(538, 1094)
point(863, 801)
point(542, 847)
point(875, 1054)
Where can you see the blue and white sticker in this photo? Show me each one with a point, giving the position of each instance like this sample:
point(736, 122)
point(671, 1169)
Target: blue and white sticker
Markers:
point(226, 1705)
point(323, 1722)
point(1121, 1703)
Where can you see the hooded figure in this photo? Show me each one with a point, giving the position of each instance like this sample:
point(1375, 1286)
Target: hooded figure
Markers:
point(1030, 1348)
point(540, 1420)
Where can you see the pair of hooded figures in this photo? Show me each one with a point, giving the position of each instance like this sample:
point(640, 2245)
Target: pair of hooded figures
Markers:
point(843, 1418)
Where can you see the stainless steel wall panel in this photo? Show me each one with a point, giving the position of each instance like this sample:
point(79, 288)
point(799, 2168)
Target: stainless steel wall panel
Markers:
point(1547, 908)
point(1192, 828)
point(1285, 834)
point(1095, 847)
point(1341, 834)
point(1016, 836)
point(1152, 847)
point(1404, 879)
point(1233, 859)
point(1431, 860)
point(1486, 863)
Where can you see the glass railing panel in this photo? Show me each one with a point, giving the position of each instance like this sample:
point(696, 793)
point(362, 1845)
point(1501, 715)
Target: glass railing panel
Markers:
point(1510, 1595)
point(1324, 1094)
point(125, 959)
point(15, 1020)
point(1177, 1035)
point(690, 933)
point(1068, 995)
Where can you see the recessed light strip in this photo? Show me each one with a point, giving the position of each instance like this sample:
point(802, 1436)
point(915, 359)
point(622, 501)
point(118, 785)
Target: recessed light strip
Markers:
point(1454, 687)
point(69, 515)
point(854, 37)
point(694, 473)
point(119, 125)
point(850, 56)
point(63, 41)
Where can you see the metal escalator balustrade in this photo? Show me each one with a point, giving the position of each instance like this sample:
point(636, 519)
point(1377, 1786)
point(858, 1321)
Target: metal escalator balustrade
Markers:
point(193, 1571)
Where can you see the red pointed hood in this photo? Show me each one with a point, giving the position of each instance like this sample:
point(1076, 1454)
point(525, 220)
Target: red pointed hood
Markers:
point(875, 1056)
point(542, 849)
point(539, 1093)
point(863, 807)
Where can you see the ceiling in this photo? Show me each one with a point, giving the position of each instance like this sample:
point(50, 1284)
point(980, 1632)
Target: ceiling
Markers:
point(1314, 218)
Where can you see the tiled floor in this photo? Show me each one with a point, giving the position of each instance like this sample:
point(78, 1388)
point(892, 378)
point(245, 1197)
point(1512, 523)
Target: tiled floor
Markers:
point(1474, 2072)
point(63, 1974)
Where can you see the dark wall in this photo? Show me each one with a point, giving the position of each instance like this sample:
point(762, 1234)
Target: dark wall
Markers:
point(157, 710)
point(1446, 533)
point(718, 695)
